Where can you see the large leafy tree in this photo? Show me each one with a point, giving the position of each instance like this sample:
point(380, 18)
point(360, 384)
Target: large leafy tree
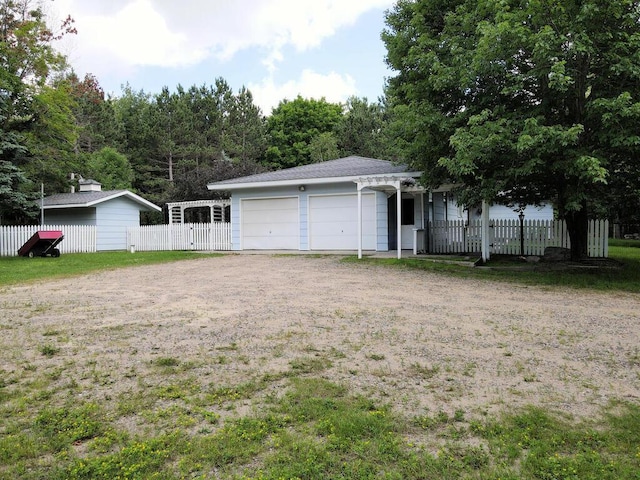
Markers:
point(293, 125)
point(34, 117)
point(519, 101)
point(111, 168)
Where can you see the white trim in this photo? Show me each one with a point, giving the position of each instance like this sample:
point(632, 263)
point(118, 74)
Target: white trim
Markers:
point(306, 181)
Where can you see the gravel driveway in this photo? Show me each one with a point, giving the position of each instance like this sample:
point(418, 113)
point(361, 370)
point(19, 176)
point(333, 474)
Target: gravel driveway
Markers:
point(412, 339)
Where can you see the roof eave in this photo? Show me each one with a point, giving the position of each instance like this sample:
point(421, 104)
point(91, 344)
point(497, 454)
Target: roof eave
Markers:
point(126, 193)
point(304, 181)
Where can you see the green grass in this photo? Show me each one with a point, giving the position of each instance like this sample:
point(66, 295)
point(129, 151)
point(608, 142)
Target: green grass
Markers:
point(21, 269)
point(299, 425)
point(314, 429)
point(625, 278)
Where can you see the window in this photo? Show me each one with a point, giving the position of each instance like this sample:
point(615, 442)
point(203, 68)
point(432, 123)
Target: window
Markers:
point(407, 212)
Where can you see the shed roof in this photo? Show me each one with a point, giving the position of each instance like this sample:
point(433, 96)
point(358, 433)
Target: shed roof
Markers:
point(89, 199)
point(343, 169)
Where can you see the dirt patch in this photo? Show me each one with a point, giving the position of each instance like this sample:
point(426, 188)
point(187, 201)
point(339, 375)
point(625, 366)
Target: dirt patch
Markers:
point(415, 340)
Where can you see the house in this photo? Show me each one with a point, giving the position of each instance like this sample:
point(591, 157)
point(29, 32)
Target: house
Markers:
point(112, 212)
point(351, 203)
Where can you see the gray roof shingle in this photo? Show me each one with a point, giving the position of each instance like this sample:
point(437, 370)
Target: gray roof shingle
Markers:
point(79, 198)
point(86, 199)
point(352, 166)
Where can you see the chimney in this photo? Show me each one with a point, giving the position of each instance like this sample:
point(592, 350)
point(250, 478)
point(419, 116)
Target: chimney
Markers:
point(89, 185)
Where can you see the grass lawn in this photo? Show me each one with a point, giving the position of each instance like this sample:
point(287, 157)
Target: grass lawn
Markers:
point(621, 274)
point(22, 269)
point(311, 429)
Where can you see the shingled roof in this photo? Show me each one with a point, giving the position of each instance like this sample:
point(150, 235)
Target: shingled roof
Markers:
point(346, 168)
point(89, 199)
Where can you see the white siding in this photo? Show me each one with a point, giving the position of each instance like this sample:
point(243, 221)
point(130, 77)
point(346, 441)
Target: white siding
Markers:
point(112, 220)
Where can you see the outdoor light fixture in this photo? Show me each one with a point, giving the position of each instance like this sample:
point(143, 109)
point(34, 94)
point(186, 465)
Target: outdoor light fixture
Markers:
point(301, 188)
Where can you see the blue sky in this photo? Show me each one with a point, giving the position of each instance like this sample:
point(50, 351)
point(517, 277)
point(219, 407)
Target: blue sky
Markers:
point(277, 48)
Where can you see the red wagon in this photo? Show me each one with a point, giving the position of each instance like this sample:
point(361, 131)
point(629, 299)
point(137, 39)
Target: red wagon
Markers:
point(41, 244)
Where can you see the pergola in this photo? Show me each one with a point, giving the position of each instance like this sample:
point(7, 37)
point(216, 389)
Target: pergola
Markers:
point(397, 185)
point(389, 185)
point(217, 209)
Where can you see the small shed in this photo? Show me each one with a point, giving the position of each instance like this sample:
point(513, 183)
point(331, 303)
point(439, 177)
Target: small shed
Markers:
point(110, 211)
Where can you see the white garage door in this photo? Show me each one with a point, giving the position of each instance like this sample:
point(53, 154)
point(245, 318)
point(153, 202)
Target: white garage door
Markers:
point(333, 222)
point(270, 224)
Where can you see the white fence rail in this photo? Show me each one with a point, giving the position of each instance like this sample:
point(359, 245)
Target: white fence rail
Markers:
point(77, 238)
point(185, 236)
point(459, 236)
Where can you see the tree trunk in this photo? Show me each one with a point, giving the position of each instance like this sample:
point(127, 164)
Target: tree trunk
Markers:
point(578, 228)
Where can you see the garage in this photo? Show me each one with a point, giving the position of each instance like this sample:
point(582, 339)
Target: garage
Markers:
point(270, 224)
point(333, 222)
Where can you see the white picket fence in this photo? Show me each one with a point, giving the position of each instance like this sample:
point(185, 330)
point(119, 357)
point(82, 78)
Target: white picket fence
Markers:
point(181, 236)
point(77, 238)
point(459, 236)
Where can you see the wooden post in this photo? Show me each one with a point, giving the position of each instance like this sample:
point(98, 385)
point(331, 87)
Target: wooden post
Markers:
point(399, 219)
point(359, 221)
point(486, 232)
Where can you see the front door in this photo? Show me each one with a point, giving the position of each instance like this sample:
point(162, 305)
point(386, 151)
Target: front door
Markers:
point(408, 222)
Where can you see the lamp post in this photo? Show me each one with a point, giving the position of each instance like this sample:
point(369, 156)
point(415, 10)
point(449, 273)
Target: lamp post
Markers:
point(521, 217)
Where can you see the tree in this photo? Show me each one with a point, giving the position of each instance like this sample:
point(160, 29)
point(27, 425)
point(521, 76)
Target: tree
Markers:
point(245, 138)
point(34, 117)
point(111, 169)
point(138, 116)
point(95, 116)
point(518, 102)
point(291, 127)
point(15, 202)
point(362, 128)
point(51, 139)
point(323, 147)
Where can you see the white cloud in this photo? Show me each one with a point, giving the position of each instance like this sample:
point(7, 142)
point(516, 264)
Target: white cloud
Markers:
point(335, 88)
point(169, 33)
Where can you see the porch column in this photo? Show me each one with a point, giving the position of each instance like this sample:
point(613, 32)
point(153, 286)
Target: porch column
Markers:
point(359, 221)
point(399, 219)
point(485, 232)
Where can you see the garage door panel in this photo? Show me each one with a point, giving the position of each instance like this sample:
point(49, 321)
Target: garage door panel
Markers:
point(270, 224)
point(334, 222)
point(260, 230)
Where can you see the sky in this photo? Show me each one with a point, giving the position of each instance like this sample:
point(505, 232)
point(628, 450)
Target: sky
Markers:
point(278, 49)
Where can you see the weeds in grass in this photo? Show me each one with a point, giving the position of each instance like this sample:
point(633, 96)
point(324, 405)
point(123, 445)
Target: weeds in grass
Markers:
point(307, 365)
point(166, 362)
point(376, 357)
point(316, 429)
point(49, 350)
point(423, 371)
